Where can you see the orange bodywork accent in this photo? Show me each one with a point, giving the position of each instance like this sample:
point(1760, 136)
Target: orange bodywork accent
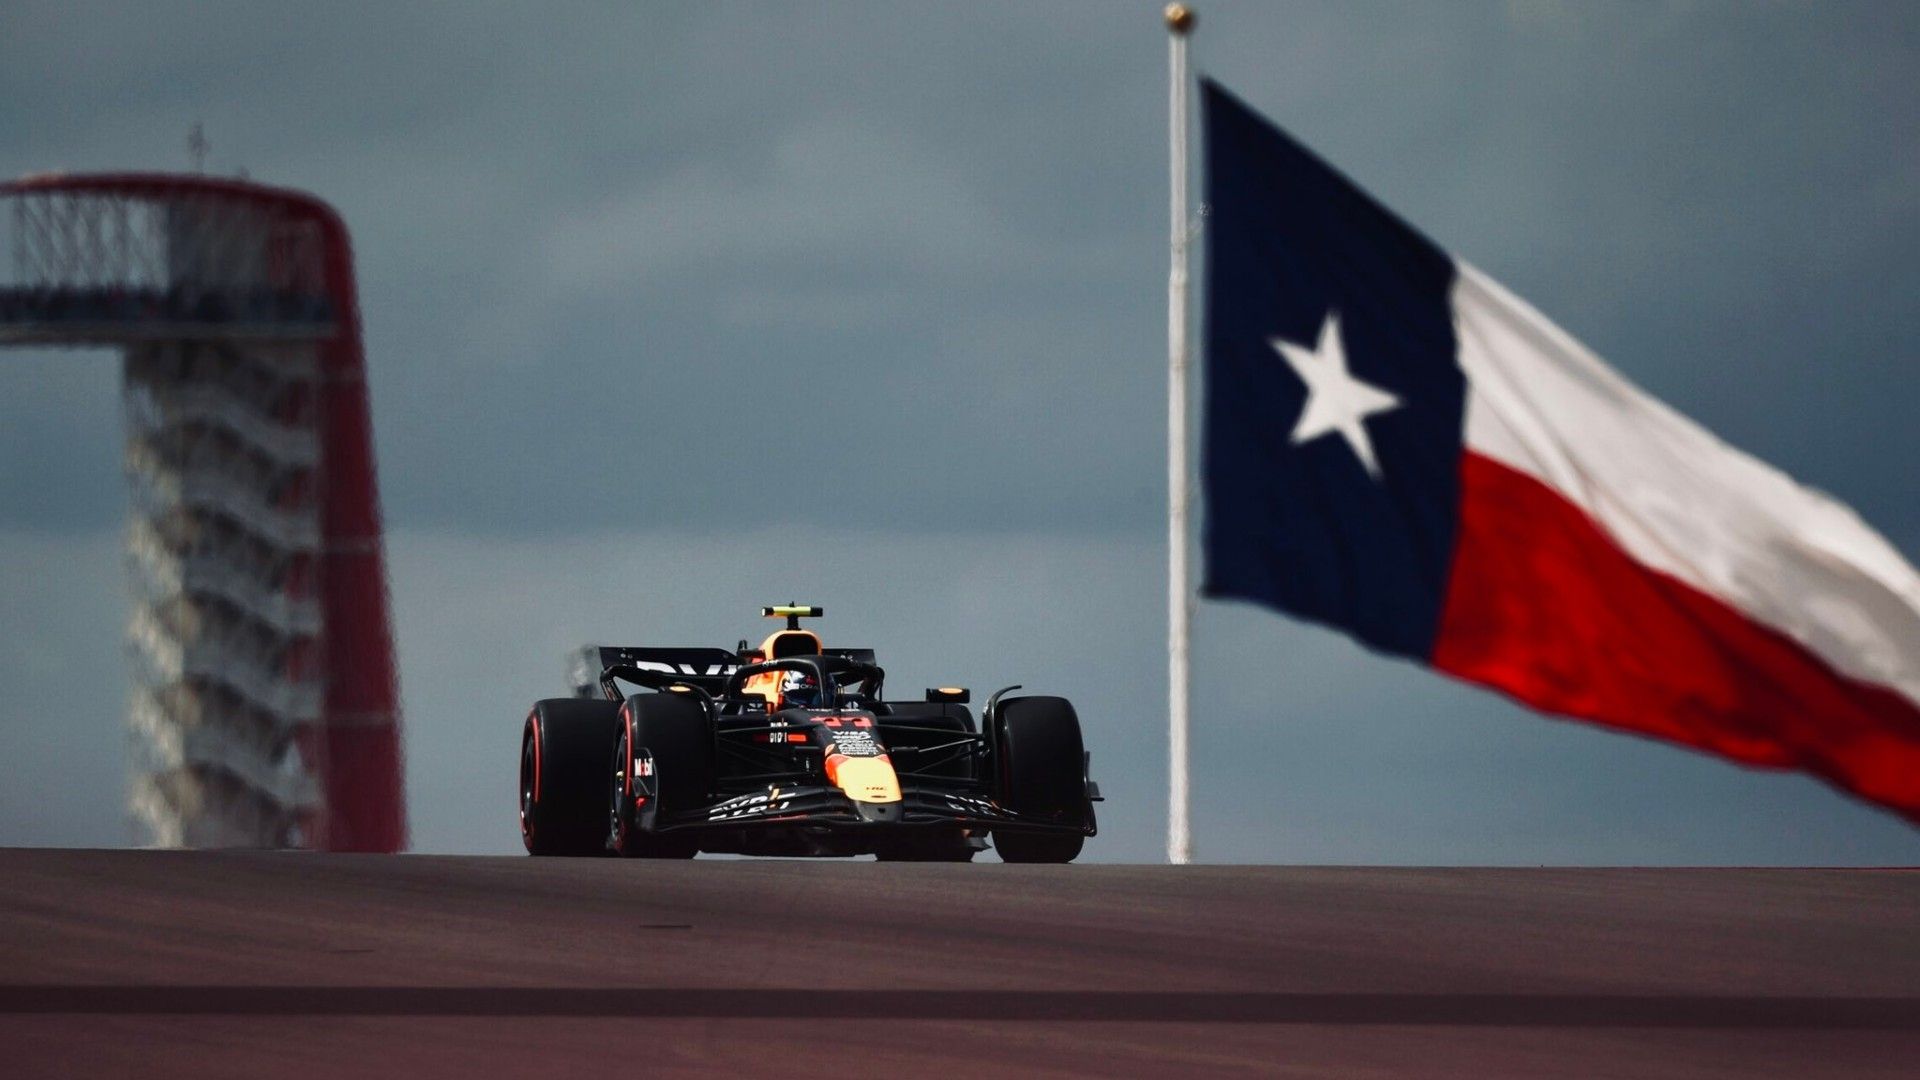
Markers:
point(779, 646)
point(864, 779)
point(767, 686)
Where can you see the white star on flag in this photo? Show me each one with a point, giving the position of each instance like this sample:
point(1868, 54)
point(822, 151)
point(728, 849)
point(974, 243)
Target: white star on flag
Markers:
point(1336, 401)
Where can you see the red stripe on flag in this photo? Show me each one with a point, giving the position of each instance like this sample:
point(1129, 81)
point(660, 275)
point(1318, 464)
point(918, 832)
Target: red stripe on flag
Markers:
point(1543, 606)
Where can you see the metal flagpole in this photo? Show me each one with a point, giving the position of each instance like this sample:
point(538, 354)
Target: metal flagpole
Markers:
point(1180, 21)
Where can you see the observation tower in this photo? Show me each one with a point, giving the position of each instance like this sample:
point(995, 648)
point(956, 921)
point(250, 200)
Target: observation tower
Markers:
point(265, 704)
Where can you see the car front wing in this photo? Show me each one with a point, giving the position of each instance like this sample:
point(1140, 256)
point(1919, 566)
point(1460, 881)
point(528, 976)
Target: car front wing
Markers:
point(819, 805)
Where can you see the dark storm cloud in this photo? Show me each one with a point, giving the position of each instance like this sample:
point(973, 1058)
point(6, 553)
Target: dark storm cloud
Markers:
point(644, 235)
point(621, 268)
point(622, 242)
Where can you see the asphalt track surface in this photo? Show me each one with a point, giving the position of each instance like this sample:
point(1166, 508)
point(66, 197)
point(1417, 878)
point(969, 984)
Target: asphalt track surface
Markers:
point(288, 965)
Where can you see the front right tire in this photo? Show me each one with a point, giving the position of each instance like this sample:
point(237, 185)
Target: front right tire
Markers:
point(1041, 766)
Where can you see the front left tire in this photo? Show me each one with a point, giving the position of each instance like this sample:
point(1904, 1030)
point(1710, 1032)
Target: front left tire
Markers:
point(673, 730)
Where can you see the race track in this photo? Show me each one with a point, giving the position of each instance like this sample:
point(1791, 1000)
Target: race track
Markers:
point(254, 964)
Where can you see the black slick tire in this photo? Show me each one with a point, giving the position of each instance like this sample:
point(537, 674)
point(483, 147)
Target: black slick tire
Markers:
point(1041, 772)
point(563, 758)
point(673, 730)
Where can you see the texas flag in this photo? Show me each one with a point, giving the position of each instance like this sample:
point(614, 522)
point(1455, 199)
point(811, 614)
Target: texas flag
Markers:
point(1399, 447)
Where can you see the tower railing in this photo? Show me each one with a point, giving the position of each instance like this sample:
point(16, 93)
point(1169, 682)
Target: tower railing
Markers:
point(265, 707)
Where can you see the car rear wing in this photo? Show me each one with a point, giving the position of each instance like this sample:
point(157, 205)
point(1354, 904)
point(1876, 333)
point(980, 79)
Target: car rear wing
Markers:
point(706, 669)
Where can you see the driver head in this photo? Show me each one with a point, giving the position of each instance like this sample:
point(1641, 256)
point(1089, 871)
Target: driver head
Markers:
point(799, 690)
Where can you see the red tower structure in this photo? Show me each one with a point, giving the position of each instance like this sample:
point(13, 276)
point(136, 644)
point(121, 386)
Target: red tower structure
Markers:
point(269, 701)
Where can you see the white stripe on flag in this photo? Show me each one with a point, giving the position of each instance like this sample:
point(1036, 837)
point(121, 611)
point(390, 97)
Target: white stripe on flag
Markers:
point(1679, 500)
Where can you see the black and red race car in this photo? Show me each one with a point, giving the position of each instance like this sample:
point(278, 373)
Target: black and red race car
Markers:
point(793, 749)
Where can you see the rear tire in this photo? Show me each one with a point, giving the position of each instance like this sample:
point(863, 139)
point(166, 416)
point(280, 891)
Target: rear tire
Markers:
point(1041, 768)
point(563, 755)
point(928, 714)
point(674, 730)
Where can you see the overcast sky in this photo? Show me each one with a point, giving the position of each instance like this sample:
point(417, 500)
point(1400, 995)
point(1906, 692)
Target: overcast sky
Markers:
point(674, 310)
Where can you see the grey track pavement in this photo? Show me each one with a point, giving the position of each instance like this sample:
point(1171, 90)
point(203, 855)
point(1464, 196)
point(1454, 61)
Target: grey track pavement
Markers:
point(290, 964)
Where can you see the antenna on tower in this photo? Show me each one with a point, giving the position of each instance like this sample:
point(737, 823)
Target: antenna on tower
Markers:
point(197, 147)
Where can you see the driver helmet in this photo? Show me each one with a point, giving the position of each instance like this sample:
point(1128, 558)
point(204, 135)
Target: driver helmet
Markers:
point(799, 689)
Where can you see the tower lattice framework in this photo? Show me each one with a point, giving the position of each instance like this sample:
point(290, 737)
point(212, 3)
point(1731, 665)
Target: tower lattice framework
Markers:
point(265, 705)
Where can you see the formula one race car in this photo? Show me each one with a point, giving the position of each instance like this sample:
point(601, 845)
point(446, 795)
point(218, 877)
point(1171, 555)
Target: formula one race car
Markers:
point(792, 749)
